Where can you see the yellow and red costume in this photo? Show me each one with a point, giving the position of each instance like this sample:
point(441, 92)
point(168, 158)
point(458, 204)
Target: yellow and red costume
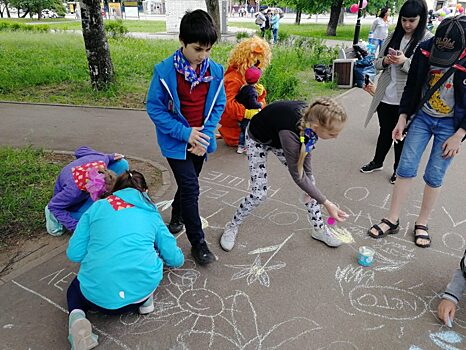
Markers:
point(249, 52)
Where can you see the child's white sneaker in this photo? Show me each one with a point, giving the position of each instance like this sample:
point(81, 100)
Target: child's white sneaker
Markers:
point(325, 235)
point(240, 150)
point(80, 333)
point(227, 241)
point(147, 307)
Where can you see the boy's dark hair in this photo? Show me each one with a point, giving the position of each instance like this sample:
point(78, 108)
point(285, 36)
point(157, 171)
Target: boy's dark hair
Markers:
point(410, 9)
point(198, 27)
point(130, 179)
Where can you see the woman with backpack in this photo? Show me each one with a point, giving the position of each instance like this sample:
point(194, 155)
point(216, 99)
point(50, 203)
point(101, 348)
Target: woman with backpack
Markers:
point(261, 21)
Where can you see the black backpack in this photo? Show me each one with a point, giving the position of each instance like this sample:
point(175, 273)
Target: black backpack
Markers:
point(267, 22)
point(322, 72)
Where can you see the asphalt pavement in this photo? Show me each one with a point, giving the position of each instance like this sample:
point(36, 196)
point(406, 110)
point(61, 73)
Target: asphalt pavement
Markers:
point(278, 289)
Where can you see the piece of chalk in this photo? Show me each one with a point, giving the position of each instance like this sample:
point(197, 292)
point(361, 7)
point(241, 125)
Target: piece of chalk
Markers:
point(449, 322)
point(331, 221)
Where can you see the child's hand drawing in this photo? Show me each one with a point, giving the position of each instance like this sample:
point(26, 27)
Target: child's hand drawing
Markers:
point(335, 212)
point(446, 311)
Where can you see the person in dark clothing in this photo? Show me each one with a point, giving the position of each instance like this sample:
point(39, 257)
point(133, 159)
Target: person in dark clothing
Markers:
point(248, 96)
point(290, 130)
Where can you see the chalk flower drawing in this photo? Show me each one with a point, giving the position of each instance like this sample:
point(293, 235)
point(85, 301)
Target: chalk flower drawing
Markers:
point(207, 321)
point(258, 271)
point(255, 272)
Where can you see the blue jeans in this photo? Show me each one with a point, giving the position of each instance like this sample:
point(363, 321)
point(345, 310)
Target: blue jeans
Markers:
point(186, 201)
point(243, 124)
point(422, 128)
point(378, 43)
point(275, 35)
point(118, 168)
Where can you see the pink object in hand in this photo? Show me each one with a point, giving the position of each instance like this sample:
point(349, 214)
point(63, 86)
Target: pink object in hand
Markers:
point(331, 221)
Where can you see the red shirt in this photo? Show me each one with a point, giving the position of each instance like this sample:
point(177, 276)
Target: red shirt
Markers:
point(192, 102)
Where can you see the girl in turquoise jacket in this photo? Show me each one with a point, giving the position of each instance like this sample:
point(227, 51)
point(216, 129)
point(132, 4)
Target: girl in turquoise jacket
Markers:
point(121, 243)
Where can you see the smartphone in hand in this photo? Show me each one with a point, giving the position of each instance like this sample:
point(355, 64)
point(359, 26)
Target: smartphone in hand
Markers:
point(393, 52)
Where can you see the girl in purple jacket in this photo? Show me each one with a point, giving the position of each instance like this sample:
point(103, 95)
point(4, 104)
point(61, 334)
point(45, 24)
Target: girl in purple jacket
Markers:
point(79, 184)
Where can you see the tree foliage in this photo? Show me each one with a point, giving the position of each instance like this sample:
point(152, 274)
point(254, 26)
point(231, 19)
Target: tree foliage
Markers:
point(36, 6)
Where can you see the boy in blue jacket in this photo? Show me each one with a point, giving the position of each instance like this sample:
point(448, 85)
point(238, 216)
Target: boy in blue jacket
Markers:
point(185, 101)
point(121, 244)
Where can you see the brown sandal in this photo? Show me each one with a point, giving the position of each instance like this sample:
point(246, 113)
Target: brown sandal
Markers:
point(392, 229)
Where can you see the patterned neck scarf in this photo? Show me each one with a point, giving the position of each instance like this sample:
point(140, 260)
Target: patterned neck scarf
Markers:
point(182, 66)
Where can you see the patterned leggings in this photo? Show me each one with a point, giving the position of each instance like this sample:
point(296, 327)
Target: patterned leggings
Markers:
point(257, 159)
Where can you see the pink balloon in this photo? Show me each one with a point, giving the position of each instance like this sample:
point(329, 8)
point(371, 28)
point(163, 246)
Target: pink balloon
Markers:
point(354, 8)
point(364, 4)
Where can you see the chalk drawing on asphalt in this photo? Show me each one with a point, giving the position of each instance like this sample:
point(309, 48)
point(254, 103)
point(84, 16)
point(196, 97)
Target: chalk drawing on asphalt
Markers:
point(206, 320)
point(258, 271)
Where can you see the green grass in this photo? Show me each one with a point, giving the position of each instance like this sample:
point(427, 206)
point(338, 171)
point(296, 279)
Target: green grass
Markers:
point(314, 30)
point(27, 179)
point(36, 21)
point(52, 68)
point(70, 24)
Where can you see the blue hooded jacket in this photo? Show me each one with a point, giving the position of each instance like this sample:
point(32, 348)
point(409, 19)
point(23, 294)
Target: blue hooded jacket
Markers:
point(163, 107)
point(117, 250)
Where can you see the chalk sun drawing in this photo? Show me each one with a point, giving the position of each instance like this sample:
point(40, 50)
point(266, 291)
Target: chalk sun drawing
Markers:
point(207, 321)
point(258, 271)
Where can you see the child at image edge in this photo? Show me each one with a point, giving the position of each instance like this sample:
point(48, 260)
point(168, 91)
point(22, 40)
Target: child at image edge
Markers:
point(453, 294)
point(185, 101)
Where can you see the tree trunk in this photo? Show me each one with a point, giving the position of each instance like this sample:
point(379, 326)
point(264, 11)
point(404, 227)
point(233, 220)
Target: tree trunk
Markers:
point(213, 8)
point(341, 18)
point(334, 15)
point(299, 12)
point(24, 14)
point(95, 41)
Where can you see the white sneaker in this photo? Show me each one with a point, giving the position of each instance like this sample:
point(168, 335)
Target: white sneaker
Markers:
point(147, 307)
point(227, 241)
point(81, 336)
point(324, 235)
point(240, 150)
